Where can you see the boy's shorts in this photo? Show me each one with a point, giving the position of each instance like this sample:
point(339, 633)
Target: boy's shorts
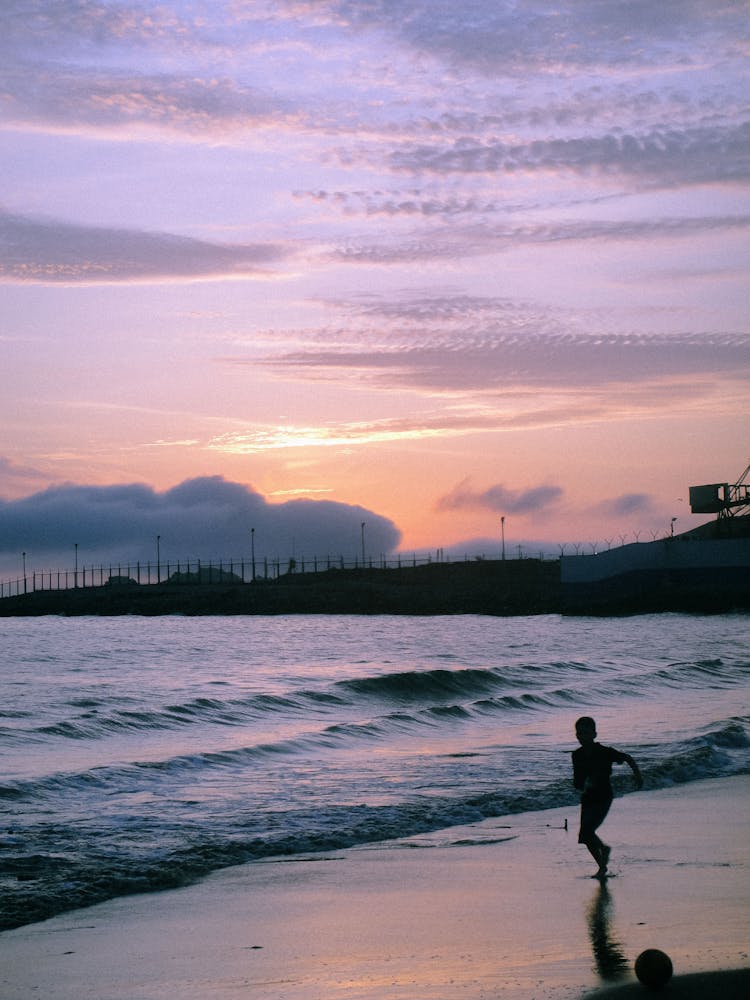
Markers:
point(593, 814)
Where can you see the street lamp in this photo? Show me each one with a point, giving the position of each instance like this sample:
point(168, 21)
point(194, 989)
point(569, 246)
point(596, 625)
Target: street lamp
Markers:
point(252, 550)
point(158, 558)
point(363, 543)
point(23, 556)
point(502, 532)
point(75, 575)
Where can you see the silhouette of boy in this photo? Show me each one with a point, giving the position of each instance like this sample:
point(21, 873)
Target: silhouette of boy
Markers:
point(592, 768)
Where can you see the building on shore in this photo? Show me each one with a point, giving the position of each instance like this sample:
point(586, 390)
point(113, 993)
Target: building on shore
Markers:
point(706, 569)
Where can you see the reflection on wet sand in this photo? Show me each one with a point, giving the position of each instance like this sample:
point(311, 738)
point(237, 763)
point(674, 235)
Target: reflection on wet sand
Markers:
point(611, 963)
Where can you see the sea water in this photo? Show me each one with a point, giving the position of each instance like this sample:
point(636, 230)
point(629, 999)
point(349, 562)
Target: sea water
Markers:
point(138, 754)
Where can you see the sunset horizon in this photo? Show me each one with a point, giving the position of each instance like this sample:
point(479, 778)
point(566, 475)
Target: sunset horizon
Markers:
point(295, 267)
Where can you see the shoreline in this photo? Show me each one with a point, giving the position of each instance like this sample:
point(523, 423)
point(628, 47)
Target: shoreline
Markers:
point(505, 907)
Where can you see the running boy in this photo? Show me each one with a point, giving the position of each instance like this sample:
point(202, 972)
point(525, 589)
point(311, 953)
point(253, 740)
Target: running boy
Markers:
point(592, 768)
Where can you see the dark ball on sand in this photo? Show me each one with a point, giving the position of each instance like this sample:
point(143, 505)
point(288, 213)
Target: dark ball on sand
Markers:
point(653, 968)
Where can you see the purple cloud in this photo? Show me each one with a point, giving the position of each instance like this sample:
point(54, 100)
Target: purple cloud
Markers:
point(51, 252)
point(524, 36)
point(500, 499)
point(498, 359)
point(627, 503)
point(461, 241)
point(666, 156)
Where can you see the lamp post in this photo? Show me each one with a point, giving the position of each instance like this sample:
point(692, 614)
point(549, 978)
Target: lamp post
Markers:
point(158, 558)
point(362, 527)
point(252, 550)
point(75, 574)
point(502, 532)
point(23, 557)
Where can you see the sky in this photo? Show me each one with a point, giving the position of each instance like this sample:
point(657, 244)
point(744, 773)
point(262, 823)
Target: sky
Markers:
point(445, 270)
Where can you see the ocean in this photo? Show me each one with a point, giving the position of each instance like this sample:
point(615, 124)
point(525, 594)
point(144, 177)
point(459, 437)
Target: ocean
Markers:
point(139, 754)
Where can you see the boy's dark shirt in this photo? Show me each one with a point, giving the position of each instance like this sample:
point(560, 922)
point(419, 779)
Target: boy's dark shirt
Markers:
point(595, 763)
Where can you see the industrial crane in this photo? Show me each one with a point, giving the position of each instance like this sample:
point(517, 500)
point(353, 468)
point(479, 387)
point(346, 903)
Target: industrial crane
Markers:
point(724, 499)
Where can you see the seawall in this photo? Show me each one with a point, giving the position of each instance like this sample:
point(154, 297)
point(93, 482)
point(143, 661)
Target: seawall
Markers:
point(525, 586)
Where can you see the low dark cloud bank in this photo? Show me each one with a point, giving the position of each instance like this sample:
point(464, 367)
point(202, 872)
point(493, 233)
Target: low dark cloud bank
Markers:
point(204, 518)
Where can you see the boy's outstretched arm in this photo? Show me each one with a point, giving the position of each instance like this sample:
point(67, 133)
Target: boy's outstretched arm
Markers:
point(637, 776)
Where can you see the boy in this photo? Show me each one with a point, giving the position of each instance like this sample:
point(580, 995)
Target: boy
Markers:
point(592, 767)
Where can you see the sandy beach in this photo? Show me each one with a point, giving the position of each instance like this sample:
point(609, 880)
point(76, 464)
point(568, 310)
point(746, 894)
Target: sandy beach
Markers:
point(504, 908)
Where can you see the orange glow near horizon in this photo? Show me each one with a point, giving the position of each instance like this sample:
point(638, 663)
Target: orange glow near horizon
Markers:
point(329, 275)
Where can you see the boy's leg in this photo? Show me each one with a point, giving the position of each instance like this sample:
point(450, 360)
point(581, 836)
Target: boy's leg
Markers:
point(598, 850)
point(604, 857)
point(592, 816)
